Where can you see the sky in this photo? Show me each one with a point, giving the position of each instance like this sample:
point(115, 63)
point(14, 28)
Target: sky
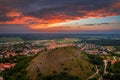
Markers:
point(59, 16)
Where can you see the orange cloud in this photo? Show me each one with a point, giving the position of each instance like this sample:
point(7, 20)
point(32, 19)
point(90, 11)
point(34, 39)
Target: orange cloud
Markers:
point(13, 14)
point(116, 5)
point(59, 20)
point(71, 29)
point(20, 20)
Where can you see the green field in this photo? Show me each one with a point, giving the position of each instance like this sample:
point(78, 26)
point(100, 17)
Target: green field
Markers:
point(68, 40)
point(10, 39)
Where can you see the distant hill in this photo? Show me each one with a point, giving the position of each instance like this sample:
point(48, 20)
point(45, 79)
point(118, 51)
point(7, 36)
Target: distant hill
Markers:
point(60, 64)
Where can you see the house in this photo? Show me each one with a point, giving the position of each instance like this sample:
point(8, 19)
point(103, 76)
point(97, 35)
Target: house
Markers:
point(4, 66)
point(7, 54)
point(113, 61)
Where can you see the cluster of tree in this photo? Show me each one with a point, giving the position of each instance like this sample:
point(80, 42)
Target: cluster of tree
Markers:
point(60, 76)
point(104, 42)
point(11, 59)
point(96, 59)
point(117, 48)
point(19, 71)
point(114, 72)
point(118, 55)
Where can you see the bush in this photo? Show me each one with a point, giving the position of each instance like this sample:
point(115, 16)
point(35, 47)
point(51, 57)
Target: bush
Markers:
point(62, 76)
point(96, 59)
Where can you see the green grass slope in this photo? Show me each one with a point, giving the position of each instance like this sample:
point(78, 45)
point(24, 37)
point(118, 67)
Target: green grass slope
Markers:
point(67, 60)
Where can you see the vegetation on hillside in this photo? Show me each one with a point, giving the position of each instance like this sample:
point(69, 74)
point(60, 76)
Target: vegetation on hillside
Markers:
point(19, 71)
point(54, 62)
point(96, 59)
point(62, 76)
point(114, 72)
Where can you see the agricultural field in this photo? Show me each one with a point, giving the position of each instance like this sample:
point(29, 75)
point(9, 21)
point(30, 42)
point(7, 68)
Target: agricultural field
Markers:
point(67, 40)
point(10, 39)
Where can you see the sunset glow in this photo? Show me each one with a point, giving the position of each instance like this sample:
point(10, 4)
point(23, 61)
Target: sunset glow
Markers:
point(55, 16)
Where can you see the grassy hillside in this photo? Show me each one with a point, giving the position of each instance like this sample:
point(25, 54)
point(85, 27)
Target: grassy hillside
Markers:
point(67, 60)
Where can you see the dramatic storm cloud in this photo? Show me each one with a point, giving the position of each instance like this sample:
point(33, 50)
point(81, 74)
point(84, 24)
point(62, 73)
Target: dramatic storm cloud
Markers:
point(57, 15)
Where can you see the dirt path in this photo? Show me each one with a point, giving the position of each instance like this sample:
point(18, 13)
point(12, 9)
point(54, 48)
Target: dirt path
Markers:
point(115, 58)
point(105, 67)
point(1, 78)
point(97, 71)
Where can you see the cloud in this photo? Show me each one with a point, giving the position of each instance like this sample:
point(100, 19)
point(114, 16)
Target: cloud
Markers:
point(48, 9)
point(3, 11)
point(14, 28)
point(46, 13)
point(99, 24)
point(77, 8)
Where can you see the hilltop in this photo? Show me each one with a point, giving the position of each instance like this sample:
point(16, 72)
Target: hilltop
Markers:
point(69, 61)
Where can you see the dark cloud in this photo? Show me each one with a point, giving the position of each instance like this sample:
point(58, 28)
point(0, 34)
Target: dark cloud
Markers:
point(6, 28)
point(3, 11)
point(48, 9)
point(76, 8)
point(99, 24)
